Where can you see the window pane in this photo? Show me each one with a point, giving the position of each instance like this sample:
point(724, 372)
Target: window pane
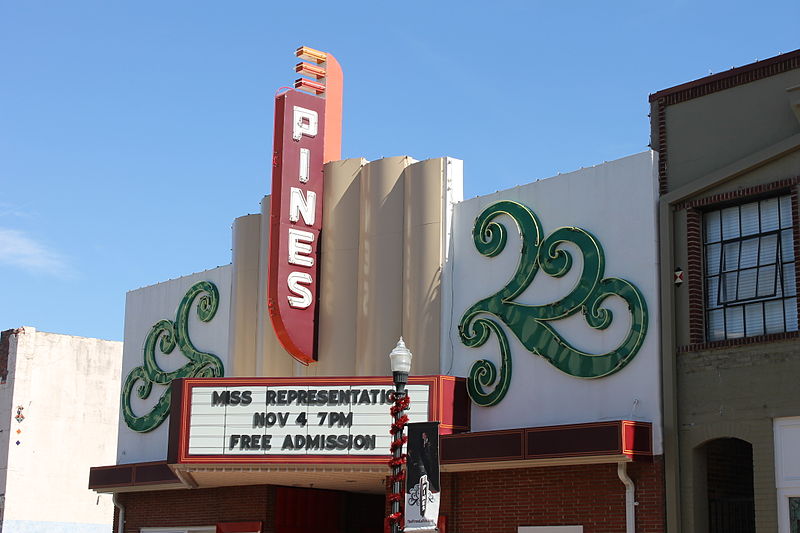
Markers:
point(712, 259)
point(789, 284)
point(716, 325)
point(787, 245)
point(769, 250)
point(786, 211)
point(750, 278)
point(712, 286)
point(790, 308)
point(773, 315)
point(730, 260)
point(713, 231)
point(749, 251)
point(769, 214)
point(754, 317)
point(730, 222)
point(749, 213)
point(729, 287)
point(766, 281)
point(734, 322)
point(747, 284)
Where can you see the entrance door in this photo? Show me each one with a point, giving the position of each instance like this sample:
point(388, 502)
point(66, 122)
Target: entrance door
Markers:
point(311, 511)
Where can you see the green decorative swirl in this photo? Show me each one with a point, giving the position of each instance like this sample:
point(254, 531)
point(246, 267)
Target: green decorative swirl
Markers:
point(531, 324)
point(166, 335)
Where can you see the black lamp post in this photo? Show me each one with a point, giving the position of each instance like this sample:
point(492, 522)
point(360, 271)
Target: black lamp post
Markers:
point(401, 364)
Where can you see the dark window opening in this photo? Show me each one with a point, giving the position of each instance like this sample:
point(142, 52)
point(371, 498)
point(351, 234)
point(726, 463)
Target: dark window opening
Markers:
point(729, 470)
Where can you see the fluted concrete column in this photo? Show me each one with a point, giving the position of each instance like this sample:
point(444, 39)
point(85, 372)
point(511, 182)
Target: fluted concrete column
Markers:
point(380, 258)
point(244, 296)
point(272, 360)
point(337, 304)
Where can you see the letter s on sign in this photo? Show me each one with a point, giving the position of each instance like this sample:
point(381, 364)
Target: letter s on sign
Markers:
point(304, 122)
point(301, 297)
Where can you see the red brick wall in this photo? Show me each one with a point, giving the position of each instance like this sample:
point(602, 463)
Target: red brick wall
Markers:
point(590, 495)
point(198, 507)
point(496, 501)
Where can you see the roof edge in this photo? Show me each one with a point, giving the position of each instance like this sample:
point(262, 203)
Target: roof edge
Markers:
point(734, 77)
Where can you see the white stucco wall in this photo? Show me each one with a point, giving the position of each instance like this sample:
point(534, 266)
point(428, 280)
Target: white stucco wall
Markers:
point(616, 202)
point(67, 388)
point(144, 308)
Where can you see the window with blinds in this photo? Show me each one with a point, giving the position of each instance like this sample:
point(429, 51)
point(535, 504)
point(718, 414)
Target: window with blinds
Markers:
point(749, 270)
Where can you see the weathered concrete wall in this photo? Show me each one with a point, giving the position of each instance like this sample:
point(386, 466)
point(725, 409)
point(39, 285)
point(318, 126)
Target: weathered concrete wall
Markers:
point(736, 392)
point(68, 391)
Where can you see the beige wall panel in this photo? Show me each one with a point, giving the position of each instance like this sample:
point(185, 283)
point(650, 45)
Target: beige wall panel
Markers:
point(380, 264)
point(272, 360)
point(710, 132)
point(784, 168)
point(339, 269)
point(425, 204)
point(244, 296)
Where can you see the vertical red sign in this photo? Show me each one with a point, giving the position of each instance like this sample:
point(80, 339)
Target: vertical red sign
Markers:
point(296, 221)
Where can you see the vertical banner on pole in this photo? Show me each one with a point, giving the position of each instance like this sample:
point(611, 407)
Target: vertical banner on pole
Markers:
point(423, 487)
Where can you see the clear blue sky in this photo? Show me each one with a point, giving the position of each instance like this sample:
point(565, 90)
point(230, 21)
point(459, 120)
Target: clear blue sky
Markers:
point(133, 133)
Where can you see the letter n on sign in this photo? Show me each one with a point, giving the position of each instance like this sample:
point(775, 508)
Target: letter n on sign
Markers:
point(296, 221)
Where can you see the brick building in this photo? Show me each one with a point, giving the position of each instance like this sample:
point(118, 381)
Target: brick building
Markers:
point(729, 165)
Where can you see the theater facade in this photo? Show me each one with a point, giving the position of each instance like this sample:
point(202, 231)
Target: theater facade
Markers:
point(255, 397)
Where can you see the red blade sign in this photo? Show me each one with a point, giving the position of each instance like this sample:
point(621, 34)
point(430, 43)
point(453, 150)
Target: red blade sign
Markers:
point(296, 221)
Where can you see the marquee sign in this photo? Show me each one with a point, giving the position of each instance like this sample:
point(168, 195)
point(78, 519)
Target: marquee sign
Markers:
point(300, 149)
point(302, 420)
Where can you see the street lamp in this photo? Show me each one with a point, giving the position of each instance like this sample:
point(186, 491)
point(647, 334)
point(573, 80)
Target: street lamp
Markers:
point(401, 364)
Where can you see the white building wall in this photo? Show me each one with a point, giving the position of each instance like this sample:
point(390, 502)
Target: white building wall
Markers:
point(143, 309)
point(67, 388)
point(616, 202)
point(787, 470)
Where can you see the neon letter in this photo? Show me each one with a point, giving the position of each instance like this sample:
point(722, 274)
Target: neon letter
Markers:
point(303, 295)
point(304, 122)
point(300, 206)
point(300, 247)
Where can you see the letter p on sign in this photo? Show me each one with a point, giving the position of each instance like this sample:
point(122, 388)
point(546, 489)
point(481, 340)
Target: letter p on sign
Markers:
point(304, 122)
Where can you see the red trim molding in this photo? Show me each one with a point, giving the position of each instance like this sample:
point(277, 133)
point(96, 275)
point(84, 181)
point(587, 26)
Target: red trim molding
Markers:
point(619, 437)
point(740, 195)
point(696, 269)
point(694, 276)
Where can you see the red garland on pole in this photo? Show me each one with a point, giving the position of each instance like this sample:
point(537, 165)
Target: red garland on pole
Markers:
point(401, 403)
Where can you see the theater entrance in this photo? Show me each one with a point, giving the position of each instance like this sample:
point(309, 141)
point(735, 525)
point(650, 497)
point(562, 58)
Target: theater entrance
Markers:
point(300, 510)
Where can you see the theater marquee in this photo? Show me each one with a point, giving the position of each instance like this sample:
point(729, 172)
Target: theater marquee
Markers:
point(292, 420)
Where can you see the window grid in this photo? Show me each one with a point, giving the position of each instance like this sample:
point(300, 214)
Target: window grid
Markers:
point(750, 270)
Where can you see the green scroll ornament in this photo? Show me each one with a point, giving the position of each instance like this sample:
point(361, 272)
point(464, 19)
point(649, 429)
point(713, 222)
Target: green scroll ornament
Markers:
point(531, 324)
point(167, 335)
